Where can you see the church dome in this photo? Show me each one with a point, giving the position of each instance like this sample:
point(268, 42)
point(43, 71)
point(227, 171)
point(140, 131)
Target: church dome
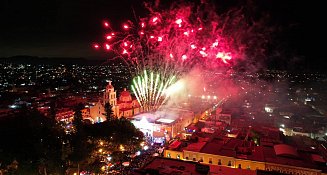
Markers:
point(125, 96)
point(125, 93)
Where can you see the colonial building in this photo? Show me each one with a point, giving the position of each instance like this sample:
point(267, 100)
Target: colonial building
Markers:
point(110, 96)
point(125, 106)
point(217, 150)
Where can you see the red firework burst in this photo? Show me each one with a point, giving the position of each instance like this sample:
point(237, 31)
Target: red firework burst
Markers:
point(173, 40)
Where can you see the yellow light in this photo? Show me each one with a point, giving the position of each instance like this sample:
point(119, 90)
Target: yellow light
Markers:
point(75, 173)
point(103, 168)
point(101, 143)
point(142, 144)
point(121, 147)
point(100, 150)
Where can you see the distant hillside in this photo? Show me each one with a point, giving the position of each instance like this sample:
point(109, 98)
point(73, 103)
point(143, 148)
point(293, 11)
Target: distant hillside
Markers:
point(25, 59)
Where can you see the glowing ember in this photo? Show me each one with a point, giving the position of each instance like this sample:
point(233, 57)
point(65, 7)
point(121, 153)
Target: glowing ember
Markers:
point(171, 55)
point(179, 21)
point(96, 46)
point(106, 24)
point(107, 46)
point(109, 37)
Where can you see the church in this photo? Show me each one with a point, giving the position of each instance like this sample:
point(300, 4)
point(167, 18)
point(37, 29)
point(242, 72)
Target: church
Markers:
point(124, 106)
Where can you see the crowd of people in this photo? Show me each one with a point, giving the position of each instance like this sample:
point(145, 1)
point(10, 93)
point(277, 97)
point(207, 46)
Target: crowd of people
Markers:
point(137, 161)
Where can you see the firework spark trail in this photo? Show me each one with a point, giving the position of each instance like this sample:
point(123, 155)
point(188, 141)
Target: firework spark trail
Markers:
point(155, 88)
point(151, 87)
point(137, 92)
point(136, 95)
point(146, 85)
point(149, 93)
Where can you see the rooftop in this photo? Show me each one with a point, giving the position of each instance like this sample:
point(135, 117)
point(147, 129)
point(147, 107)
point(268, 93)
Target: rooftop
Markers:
point(280, 153)
point(160, 165)
point(222, 170)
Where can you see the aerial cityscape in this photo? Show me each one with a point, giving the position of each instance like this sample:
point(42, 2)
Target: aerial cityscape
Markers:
point(162, 87)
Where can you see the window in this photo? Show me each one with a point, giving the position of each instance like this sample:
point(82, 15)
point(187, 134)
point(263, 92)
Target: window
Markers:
point(201, 159)
point(248, 167)
point(178, 156)
point(194, 159)
point(210, 160)
point(219, 162)
point(168, 155)
point(239, 166)
point(229, 163)
point(186, 158)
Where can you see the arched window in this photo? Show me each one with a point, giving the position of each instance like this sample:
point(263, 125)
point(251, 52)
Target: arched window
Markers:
point(201, 159)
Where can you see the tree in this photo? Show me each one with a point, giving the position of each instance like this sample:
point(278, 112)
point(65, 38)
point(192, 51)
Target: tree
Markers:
point(29, 137)
point(125, 133)
point(109, 113)
point(78, 118)
point(78, 140)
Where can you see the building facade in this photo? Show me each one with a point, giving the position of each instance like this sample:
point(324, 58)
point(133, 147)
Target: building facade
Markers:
point(125, 106)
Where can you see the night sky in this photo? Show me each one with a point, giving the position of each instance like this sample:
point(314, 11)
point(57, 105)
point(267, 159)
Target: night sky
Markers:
point(66, 28)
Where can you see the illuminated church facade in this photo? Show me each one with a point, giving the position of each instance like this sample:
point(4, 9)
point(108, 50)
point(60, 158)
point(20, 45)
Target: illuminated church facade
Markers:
point(124, 106)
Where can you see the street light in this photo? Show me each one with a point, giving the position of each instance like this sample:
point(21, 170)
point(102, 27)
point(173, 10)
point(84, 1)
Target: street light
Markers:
point(121, 147)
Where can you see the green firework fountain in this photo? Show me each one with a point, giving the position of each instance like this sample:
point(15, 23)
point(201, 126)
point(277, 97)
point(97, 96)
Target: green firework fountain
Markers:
point(150, 87)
